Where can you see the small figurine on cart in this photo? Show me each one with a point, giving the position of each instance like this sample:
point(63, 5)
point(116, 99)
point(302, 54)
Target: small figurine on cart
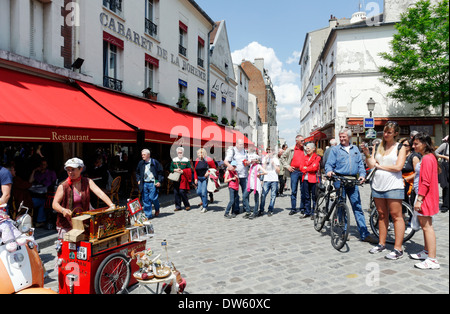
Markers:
point(144, 263)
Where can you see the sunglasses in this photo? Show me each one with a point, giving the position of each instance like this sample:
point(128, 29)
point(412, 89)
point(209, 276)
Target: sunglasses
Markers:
point(392, 122)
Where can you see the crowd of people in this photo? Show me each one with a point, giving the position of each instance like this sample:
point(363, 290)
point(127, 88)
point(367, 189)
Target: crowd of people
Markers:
point(407, 169)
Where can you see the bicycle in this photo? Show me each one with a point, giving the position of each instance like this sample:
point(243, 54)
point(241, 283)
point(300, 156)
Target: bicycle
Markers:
point(331, 204)
point(408, 213)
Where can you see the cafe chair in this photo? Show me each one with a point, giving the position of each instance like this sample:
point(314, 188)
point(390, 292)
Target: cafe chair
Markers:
point(114, 193)
point(134, 187)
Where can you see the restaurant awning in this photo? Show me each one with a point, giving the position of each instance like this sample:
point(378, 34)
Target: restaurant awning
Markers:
point(36, 109)
point(161, 123)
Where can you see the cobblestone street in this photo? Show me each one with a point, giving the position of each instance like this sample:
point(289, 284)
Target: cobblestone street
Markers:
point(281, 255)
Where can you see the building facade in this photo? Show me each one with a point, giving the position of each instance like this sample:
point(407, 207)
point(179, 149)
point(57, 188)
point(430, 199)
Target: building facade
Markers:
point(223, 80)
point(345, 75)
point(126, 51)
point(243, 116)
point(262, 88)
point(160, 47)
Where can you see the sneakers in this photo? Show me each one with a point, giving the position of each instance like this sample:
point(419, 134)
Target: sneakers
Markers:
point(204, 210)
point(428, 264)
point(394, 255)
point(420, 256)
point(371, 239)
point(377, 249)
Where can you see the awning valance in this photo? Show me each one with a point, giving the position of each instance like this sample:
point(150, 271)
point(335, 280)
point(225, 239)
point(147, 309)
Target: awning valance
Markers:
point(35, 109)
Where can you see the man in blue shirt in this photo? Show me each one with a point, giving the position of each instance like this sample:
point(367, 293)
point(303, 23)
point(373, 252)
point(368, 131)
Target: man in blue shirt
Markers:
point(345, 159)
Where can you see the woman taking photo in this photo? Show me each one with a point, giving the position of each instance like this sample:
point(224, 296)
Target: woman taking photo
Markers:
point(73, 196)
point(408, 172)
point(388, 187)
point(427, 201)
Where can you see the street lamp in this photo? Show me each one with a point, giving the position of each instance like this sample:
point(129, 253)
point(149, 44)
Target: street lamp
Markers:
point(371, 106)
point(309, 96)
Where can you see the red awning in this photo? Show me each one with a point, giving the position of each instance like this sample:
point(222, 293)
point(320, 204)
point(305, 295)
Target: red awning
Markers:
point(161, 123)
point(113, 40)
point(35, 109)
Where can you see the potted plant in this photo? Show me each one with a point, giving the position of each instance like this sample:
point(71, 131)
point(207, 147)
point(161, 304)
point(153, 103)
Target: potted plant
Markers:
point(224, 121)
point(183, 102)
point(201, 108)
point(233, 123)
point(153, 96)
point(214, 117)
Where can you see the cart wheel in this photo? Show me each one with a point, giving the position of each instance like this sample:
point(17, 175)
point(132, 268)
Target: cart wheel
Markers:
point(113, 275)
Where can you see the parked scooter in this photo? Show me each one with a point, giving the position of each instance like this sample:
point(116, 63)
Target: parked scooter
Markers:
point(21, 269)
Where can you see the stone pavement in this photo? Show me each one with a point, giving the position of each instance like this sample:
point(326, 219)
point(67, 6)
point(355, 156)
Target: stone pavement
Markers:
point(282, 255)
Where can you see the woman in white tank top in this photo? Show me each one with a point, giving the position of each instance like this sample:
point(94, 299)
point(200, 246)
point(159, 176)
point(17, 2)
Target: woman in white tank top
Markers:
point(388, 187)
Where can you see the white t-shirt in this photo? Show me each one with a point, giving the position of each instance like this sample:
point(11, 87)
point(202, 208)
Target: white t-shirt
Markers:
point(253, 179)
point(270, 164)
point(385, 180)
point(234, 154)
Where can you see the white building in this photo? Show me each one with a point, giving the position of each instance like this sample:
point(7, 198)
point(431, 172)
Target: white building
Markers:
point(128, 46)
point(223, 80)
point(345, 75)
point(242, 108)
point(130, 49)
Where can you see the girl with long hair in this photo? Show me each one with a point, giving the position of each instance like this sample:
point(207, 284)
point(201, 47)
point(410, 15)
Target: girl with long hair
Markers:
point(427, 201)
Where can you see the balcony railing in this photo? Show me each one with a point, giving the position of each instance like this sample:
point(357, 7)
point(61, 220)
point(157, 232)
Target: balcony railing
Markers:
point(182, 50)
point(151, 28)
point(112, 83)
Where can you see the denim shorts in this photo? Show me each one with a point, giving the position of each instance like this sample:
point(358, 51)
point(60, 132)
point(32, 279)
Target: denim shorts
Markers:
point(398, 194)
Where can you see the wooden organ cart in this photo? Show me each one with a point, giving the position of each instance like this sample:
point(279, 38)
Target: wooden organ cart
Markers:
point(95, 256)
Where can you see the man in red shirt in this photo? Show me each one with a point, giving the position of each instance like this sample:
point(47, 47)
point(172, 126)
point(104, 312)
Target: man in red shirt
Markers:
point(293, 160)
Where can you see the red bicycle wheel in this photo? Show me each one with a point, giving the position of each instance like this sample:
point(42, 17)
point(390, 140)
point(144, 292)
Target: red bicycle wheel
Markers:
point(113, 275)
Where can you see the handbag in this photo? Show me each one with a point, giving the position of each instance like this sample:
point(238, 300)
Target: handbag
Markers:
point(415, 225)
point(174, 176)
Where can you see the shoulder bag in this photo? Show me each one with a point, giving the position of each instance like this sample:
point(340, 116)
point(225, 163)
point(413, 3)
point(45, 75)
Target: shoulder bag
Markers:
point(175, 176)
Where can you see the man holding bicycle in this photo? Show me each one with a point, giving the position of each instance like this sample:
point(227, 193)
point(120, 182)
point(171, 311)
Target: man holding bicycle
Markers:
point(345, 160)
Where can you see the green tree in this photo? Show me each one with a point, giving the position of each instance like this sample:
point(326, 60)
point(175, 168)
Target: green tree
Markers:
point(419, 61)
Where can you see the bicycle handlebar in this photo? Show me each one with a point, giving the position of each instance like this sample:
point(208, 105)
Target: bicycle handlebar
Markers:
point(344, 179)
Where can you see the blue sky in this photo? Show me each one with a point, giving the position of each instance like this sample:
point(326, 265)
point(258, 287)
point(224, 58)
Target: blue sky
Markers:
point(275, 31)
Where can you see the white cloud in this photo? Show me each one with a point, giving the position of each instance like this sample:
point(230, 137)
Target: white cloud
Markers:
point(294, 58)
point(286, 84)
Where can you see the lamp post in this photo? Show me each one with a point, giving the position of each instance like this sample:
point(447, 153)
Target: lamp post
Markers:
point(371, 106)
